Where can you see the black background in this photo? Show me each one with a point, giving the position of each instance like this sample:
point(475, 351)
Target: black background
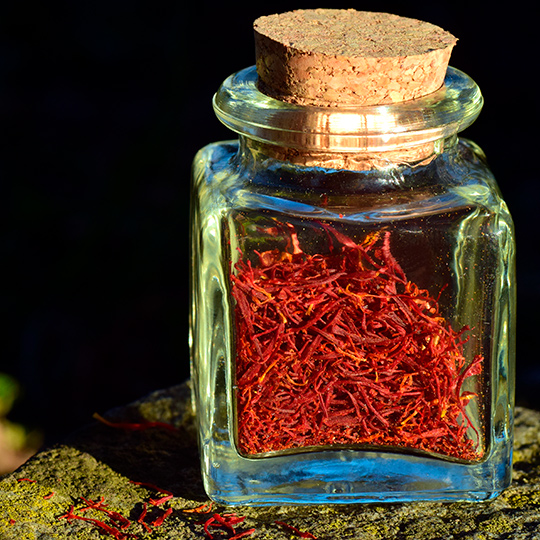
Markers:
point(103, 106)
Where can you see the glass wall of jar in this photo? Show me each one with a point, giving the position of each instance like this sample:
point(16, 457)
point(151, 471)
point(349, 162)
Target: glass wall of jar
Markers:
point(353, 308)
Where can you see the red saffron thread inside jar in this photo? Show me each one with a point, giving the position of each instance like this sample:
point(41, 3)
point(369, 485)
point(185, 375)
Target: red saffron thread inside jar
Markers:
point(342, 349)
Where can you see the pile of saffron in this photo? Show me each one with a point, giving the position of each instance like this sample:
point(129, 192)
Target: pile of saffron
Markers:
point(341, 348)
point(117, 525)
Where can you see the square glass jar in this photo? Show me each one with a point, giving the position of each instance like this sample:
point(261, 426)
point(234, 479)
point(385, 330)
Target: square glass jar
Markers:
point(353, 303)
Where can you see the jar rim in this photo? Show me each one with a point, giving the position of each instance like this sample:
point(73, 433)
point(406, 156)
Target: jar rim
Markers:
point(244, 109)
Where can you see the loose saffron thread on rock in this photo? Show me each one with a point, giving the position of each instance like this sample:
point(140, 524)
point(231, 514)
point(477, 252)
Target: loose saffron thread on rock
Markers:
point(141, 517)
point(116, 517)
point(112, 531)
point(242, 534)
point(161, 500)
point(134, 426)
point(155, 502)
point(227, 523)
point(119, 522)
point(202, 509)
point(95, 505)
point(159, 520)
point(341, 348)
point(295, 530)
point(100, 506)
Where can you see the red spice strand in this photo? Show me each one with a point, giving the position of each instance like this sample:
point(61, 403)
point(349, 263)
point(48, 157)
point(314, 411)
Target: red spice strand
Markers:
point(123, 522)
point(134, 426)
point(69, 515)
point(119, 522)
point(26, 480)
point(112, 531)
point(295, 530)
point(247, 532)
point(161, 500)
point(96, 505)
point(100, 505)
point(202, 509)
point(155, 502)
point(207, 524)
point(227, 523)
point(49, 496)
point(342, 349)
point(224, 522)
point(146, 526)
point(141, 517)
point(159, 521)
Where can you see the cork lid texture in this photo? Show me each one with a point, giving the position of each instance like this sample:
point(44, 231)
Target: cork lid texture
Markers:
point(336, 57)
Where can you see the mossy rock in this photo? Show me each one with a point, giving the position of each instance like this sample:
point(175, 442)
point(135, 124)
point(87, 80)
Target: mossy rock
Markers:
point(100, 465)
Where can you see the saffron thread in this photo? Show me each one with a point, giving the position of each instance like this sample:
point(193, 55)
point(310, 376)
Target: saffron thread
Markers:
point(295, 530)
point(134, 426)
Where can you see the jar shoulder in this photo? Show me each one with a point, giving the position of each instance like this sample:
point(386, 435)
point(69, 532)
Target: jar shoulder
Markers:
point(454, 179)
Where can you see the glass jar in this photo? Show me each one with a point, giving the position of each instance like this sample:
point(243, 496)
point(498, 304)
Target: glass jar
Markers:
point(353, 303)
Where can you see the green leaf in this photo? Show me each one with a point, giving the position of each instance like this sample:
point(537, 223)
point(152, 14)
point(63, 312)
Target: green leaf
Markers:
point(9, 390)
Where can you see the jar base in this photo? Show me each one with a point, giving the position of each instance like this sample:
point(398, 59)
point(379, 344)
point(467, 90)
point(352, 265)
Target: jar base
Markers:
point(347, 477)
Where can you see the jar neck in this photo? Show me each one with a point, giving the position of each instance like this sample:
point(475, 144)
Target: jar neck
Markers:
point(411, 157)
point(348, 137)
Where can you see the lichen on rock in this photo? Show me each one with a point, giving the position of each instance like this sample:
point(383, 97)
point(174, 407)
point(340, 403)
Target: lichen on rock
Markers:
point(118, 465)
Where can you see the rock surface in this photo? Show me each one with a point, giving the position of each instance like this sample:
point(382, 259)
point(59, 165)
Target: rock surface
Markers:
point(103, 467)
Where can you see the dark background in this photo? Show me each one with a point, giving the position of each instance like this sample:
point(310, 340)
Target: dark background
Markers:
point(102, 108)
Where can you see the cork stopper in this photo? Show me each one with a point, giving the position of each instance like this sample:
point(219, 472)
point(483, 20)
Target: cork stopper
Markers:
point(332, 57)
